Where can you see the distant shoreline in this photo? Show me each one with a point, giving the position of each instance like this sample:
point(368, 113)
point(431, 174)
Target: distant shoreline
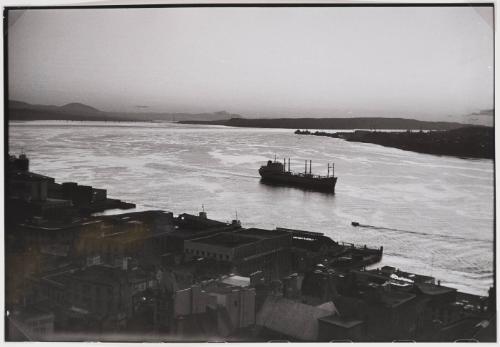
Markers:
point(466, 142)
point(333, 123)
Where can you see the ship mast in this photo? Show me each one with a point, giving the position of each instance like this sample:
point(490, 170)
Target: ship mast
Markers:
point(333, 172)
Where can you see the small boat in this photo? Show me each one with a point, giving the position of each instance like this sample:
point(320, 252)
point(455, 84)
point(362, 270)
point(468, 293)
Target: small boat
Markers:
point(355, 224)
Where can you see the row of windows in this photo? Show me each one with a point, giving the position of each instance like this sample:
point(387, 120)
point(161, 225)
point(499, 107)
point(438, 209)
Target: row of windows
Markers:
point(207, 254)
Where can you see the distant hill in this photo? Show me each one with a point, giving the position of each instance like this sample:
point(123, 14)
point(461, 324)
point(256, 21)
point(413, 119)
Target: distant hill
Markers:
point(334, 123)
point(78, 108)
point(19, 110)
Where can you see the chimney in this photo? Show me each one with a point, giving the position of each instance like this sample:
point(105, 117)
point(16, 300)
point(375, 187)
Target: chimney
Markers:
point(310, 166)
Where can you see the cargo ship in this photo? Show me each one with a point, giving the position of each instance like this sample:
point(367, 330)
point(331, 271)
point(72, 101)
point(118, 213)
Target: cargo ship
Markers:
point(276, 173)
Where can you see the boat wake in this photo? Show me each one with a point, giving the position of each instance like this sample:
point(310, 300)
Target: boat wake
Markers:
point(419, 233)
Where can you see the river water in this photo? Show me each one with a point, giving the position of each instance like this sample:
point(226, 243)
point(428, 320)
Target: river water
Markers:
point(434, 215)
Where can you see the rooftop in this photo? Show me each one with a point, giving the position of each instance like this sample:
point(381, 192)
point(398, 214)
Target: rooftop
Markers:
point(341, 322)
point(313, 245)
point(190, 234)
point(225, 239)
point(237, 281)
point(262, 233)
point(291, 318)
point(198, 221)
point(395, 298)
point(57, 225)
point(433, 289)
point(29, 176)
point(100, 274)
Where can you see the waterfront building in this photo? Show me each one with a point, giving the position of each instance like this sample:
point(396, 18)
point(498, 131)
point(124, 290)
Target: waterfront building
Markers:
point(248, 250)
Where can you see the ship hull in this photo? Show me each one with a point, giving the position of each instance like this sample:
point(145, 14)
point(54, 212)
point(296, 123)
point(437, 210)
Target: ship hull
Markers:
point(323, 184)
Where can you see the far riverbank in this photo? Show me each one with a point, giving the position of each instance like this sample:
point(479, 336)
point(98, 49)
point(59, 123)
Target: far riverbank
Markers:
point(465, 142)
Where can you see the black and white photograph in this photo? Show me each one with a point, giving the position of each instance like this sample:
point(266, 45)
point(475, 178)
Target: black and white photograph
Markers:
point(250, 172)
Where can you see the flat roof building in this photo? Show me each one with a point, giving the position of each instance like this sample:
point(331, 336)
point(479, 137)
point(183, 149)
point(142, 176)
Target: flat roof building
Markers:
point(249, 250)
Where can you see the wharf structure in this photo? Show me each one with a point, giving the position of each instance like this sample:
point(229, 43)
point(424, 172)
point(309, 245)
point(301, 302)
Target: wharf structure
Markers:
point(154, 276)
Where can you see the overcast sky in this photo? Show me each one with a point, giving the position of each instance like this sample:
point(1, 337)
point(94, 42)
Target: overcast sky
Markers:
point(428, 63)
